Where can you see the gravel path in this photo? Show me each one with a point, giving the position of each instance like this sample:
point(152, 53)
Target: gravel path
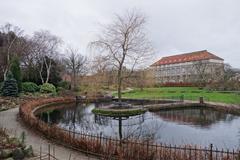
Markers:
point(9, 120)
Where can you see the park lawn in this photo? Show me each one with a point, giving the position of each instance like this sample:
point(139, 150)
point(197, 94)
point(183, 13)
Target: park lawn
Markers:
point(189, 93)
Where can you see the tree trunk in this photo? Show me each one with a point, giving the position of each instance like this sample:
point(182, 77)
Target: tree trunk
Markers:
point(5, 74)
point(40, 73)
point(48, 67)
point(48, 74)
point(8, 59)
point(120, 85)
point(74, 80)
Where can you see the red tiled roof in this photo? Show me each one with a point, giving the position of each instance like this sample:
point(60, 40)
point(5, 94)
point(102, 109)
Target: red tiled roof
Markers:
point(187, 57)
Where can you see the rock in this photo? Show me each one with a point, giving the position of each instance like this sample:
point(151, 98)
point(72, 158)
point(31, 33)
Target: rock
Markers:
point(18, 154)
point(23, 145)
point(4, 141)
point(5, 153)
point(9, 158)
point(28, 152)
point(3, 108)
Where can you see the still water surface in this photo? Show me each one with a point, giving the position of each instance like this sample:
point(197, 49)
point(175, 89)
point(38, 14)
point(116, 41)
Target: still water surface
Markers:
point(197, 126)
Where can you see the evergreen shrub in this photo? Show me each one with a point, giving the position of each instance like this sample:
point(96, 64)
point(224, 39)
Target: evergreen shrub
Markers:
point(10, 87)
point(16, 72)
point(30, 87)
point(48, 88)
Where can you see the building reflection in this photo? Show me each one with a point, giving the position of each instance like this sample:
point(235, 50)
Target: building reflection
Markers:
point(202, 117)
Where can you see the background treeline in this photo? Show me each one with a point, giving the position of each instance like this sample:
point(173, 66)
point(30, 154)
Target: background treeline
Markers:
point(37, 55)
point(43, 58)
point(40, 58)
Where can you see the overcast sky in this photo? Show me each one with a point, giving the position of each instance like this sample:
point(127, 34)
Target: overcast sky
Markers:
point(174, 26)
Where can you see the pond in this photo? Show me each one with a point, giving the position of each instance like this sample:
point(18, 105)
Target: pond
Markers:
point(196, 126)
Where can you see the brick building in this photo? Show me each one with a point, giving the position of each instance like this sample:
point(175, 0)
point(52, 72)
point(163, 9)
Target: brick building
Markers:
point(188, 67)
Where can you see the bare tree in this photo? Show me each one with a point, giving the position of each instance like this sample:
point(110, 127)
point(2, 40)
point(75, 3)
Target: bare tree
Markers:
point(11, 39)
point(141, 78)
point(201, 70)
point(75, 64)
point(229, 79)
point(125, 43)
point(229, 72)
point(100, 64)
point(207, 72)
point(102, 69)
point(45, 48)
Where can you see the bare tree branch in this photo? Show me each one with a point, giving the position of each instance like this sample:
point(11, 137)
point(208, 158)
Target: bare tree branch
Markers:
point(45, 47)
point(12, 34)
point(125, 42)
point(75, 64)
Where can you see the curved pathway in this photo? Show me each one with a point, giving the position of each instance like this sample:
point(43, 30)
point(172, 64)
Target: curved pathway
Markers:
point(9, 120)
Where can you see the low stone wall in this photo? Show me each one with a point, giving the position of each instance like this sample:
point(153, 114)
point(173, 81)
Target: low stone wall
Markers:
point(228, 108)
point(159, 107)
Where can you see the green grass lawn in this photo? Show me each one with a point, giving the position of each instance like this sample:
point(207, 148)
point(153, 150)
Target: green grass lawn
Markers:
point(189, 93)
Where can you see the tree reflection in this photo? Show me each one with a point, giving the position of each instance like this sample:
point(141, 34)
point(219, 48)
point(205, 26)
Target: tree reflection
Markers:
point(148, 127)
point(131, 127)
point(80, 118)
point(51, 117)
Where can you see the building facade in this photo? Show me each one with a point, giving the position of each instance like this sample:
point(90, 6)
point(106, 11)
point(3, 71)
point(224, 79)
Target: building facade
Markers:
point(188, 68)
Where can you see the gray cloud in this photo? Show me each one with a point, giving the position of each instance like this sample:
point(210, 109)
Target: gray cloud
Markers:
point(174, 26)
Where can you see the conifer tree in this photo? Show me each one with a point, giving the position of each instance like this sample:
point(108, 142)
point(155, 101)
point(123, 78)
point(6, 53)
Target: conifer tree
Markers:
point(16, 72)
point(10, 87)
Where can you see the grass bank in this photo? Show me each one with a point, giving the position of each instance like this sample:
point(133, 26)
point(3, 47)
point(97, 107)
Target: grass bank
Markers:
point(189, 93)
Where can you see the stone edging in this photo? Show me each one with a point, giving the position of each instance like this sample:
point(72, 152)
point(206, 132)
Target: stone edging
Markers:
point(233, 109)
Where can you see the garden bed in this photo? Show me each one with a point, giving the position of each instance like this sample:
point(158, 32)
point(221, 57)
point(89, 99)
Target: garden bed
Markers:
point(9, 102)
point(13, 147)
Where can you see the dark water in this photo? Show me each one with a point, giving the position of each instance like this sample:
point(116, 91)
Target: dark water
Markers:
point(200, 126)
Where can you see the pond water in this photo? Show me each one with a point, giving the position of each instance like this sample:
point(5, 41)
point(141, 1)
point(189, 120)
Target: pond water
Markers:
point(197, 126)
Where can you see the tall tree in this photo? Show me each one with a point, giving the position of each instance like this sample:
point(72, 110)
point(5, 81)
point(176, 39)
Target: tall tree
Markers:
point(126, 44)
point(11, 44)
point(46, 48)
point(75, 64)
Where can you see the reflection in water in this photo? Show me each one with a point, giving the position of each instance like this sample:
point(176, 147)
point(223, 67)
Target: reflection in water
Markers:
point(177, 126)
point(51, 116)
point(202, 117)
